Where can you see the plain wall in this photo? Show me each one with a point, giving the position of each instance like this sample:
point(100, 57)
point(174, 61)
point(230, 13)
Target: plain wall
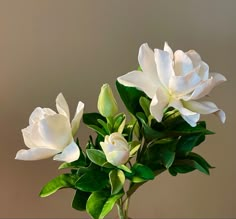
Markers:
point(69, 46)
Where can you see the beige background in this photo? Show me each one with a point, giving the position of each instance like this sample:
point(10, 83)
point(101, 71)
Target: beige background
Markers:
point(52, 46)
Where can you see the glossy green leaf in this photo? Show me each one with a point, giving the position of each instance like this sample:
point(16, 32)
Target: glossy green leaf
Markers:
point(93, 180)
point(130, 97)
point(142, 173)
point(187, 142)
point(92, 119)
point(96, 156)
point(62, 181)
point(101, 203)
point(117, 180)
point(80, 200)
point(145, 104)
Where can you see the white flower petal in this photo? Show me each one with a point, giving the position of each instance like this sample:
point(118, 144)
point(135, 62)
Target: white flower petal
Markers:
point(76, 120)
point(55, 131)
point(26, 132)
point(182, 63)
point(62, 106)
point(205, 107)
point(69, 154)
point(35, 153)
point(147, 62)
point(164, 65)
point(206, 86)
point(203, 71)
point(40, 113)
point(195, 58)
point(139, 80)
point(182, 85)
point(169, 50)
point(118, 157)
point(191, 119)
point(159, 103)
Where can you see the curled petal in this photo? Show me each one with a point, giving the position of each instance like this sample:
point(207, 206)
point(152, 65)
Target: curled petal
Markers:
point(195, 58)
point(76, 120)
point(164, 65)
point(183, 64)
point(169, 50)
point(118, 157)
point(205, 87)
point(35, 153)
point(147, 61)
point(139, 80)
point(182, 85)
point(40, 113)
point(53, 132)
point(205, 107)
point(69, 154)
point(189, 116)
point(203, 71)
point(62, 106)
point(159, 103)
point(26, 132)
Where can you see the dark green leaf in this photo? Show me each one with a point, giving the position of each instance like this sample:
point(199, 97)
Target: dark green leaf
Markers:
point(101, 203)
point(80, 200)
point(184, 128)
point(145, 104)
point(130, 97)
point(187, 142)
point(91, 181)
point(142, 173)
point(96, 156)
point(62, 181)
point(200, 160)
point(117, 180)
point(92, 119)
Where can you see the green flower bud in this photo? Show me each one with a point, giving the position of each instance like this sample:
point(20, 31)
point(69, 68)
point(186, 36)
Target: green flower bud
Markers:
point(107, 105)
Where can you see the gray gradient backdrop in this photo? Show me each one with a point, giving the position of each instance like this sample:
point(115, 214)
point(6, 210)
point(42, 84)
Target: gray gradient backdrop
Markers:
point(49, 46)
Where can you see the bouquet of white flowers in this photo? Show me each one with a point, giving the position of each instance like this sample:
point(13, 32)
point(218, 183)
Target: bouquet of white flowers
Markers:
point(163, 98)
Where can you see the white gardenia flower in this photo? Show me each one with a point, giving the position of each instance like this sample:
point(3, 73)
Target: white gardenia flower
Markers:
point(116, 149)
point(51, 134)
point(176, 80)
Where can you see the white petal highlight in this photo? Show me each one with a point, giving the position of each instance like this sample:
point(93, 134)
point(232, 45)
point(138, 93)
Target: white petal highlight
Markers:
point(169, 50)
point(159, 103)
point(181, 85)
point(147, 61)
point(164, 65)
point(62, 106)
point(35, 153)
point(55, 131)
point(69, 154)
point(139, 80)
point(183, 64)
point(76, 120)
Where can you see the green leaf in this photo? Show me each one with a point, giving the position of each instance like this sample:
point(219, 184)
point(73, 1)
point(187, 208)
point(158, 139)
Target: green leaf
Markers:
point(199, 159)
point(145, 104)
point(125, 168)
point(184, 128)
point(80, 200)
point(119, 123)
point(62, 181)
point(100, 131)
point(142, 173)
point(96, 156)
point(93, 180)
point(187, 142)
point(92, 119)
point(117, 180)
point(130, 97)
point(104, 125)
point(101, 203)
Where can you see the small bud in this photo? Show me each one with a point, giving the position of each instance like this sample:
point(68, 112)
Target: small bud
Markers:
point(107, 105)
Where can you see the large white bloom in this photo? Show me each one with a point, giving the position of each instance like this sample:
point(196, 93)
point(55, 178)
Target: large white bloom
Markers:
point(51, 134)
point(116, 149)
point(175, 80)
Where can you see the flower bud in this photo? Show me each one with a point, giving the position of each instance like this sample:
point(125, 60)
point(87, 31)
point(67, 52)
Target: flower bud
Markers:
point(116, 149)
point(107, 105)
